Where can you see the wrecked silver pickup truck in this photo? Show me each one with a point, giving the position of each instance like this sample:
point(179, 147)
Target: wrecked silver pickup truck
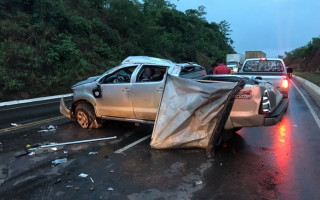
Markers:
point(133, 92)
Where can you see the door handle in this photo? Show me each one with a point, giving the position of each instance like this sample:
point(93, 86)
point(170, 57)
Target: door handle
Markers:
point(126, 89)
point(160, 89)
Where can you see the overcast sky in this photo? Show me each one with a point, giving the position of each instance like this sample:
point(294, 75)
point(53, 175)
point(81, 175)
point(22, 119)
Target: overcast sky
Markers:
point(272, 26)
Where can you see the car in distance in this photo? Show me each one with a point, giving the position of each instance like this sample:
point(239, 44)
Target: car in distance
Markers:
point(272, 70)
point(133, 90)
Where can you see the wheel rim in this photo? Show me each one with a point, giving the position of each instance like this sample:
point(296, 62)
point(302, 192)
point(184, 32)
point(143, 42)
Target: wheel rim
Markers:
point(82, 119)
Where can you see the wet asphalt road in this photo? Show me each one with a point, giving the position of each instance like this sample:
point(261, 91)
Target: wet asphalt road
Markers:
point(277, 162)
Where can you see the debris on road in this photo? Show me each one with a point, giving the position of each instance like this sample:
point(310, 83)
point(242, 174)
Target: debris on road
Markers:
point(91, 189)
point(15, 124)
point(58, 161)
point(198, 182)
point(93, 153)
point(69, 186)
point(112, 171)
point(83, 175)
point(73, 142)
point(110, 189)
point(91, 180)
point(50, 128)
point(54, 148)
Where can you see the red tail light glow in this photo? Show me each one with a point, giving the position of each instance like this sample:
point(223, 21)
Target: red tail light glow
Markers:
point(285, 83)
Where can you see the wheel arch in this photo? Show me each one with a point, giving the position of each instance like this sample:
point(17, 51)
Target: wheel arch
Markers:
point(81, 101)
point(85, 99)
point(94, 121)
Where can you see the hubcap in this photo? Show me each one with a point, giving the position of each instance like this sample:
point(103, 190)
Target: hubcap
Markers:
point(82, 119)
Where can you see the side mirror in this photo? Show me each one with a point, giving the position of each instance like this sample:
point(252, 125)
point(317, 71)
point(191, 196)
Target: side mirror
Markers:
point(289, 70)
point(97, 91)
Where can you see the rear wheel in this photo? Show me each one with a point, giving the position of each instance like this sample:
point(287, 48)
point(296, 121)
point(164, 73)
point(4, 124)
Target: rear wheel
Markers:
point(86, 117)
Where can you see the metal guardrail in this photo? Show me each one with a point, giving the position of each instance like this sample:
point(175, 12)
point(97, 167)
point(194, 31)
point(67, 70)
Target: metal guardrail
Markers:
point(26, 112)
point(15, 102)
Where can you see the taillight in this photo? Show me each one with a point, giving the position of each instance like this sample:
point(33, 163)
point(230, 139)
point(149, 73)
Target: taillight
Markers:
point(265, 104)
point(285, 83)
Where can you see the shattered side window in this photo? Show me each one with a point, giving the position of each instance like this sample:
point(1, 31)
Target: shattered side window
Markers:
point(120, 76)
point(192, 72)
point(150, 73)
point(263, 66)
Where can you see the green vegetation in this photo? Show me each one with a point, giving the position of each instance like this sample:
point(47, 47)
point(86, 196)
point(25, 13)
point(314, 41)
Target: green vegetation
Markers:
point(305, 61)
point(312, 77)
point(306, 51)
point(46, 46)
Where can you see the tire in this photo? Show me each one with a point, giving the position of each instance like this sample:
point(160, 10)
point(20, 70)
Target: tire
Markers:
point(86, 117)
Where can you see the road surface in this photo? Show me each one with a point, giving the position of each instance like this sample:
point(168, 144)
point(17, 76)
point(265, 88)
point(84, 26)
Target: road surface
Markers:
point(277, 162)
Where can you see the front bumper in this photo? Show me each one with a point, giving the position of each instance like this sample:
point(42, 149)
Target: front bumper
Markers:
point(64, 110)
point(276, 116)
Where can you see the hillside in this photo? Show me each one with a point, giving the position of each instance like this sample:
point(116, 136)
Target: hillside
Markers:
point(305, 64)
point(305, 58)
point(46, 46)
point(305, 61)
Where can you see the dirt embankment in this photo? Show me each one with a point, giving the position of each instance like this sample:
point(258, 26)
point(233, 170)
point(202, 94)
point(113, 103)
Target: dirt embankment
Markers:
point(308, 64)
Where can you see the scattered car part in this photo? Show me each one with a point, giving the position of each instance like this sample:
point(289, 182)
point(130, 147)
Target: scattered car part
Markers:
point(73, 142)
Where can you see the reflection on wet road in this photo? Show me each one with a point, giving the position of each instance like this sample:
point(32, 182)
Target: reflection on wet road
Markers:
point(283, 145)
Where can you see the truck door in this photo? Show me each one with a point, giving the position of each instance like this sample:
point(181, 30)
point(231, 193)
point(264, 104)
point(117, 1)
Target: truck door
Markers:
point(147, 91)
point(115, 97)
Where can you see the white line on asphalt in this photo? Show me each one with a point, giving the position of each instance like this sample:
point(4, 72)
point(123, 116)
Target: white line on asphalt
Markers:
point(309, 106)
point(132, 144)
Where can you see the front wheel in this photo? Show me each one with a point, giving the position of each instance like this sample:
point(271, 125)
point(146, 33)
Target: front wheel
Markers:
point(86, 117)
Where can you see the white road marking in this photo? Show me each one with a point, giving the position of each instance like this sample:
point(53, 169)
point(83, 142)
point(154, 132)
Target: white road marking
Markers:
point(132, 144)
point(309, 106)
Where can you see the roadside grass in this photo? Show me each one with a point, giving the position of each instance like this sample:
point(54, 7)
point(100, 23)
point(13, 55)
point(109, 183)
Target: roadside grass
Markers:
point(310, 76)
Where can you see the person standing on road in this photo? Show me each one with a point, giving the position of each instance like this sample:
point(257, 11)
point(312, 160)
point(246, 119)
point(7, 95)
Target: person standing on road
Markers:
point(221, 68)
point(213, 65)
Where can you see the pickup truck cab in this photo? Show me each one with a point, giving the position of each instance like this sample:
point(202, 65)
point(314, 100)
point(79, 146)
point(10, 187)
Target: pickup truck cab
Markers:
point(272, 70)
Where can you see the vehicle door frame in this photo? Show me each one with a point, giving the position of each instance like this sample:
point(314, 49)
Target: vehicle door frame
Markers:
point(146, 96)
point(116, 99)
